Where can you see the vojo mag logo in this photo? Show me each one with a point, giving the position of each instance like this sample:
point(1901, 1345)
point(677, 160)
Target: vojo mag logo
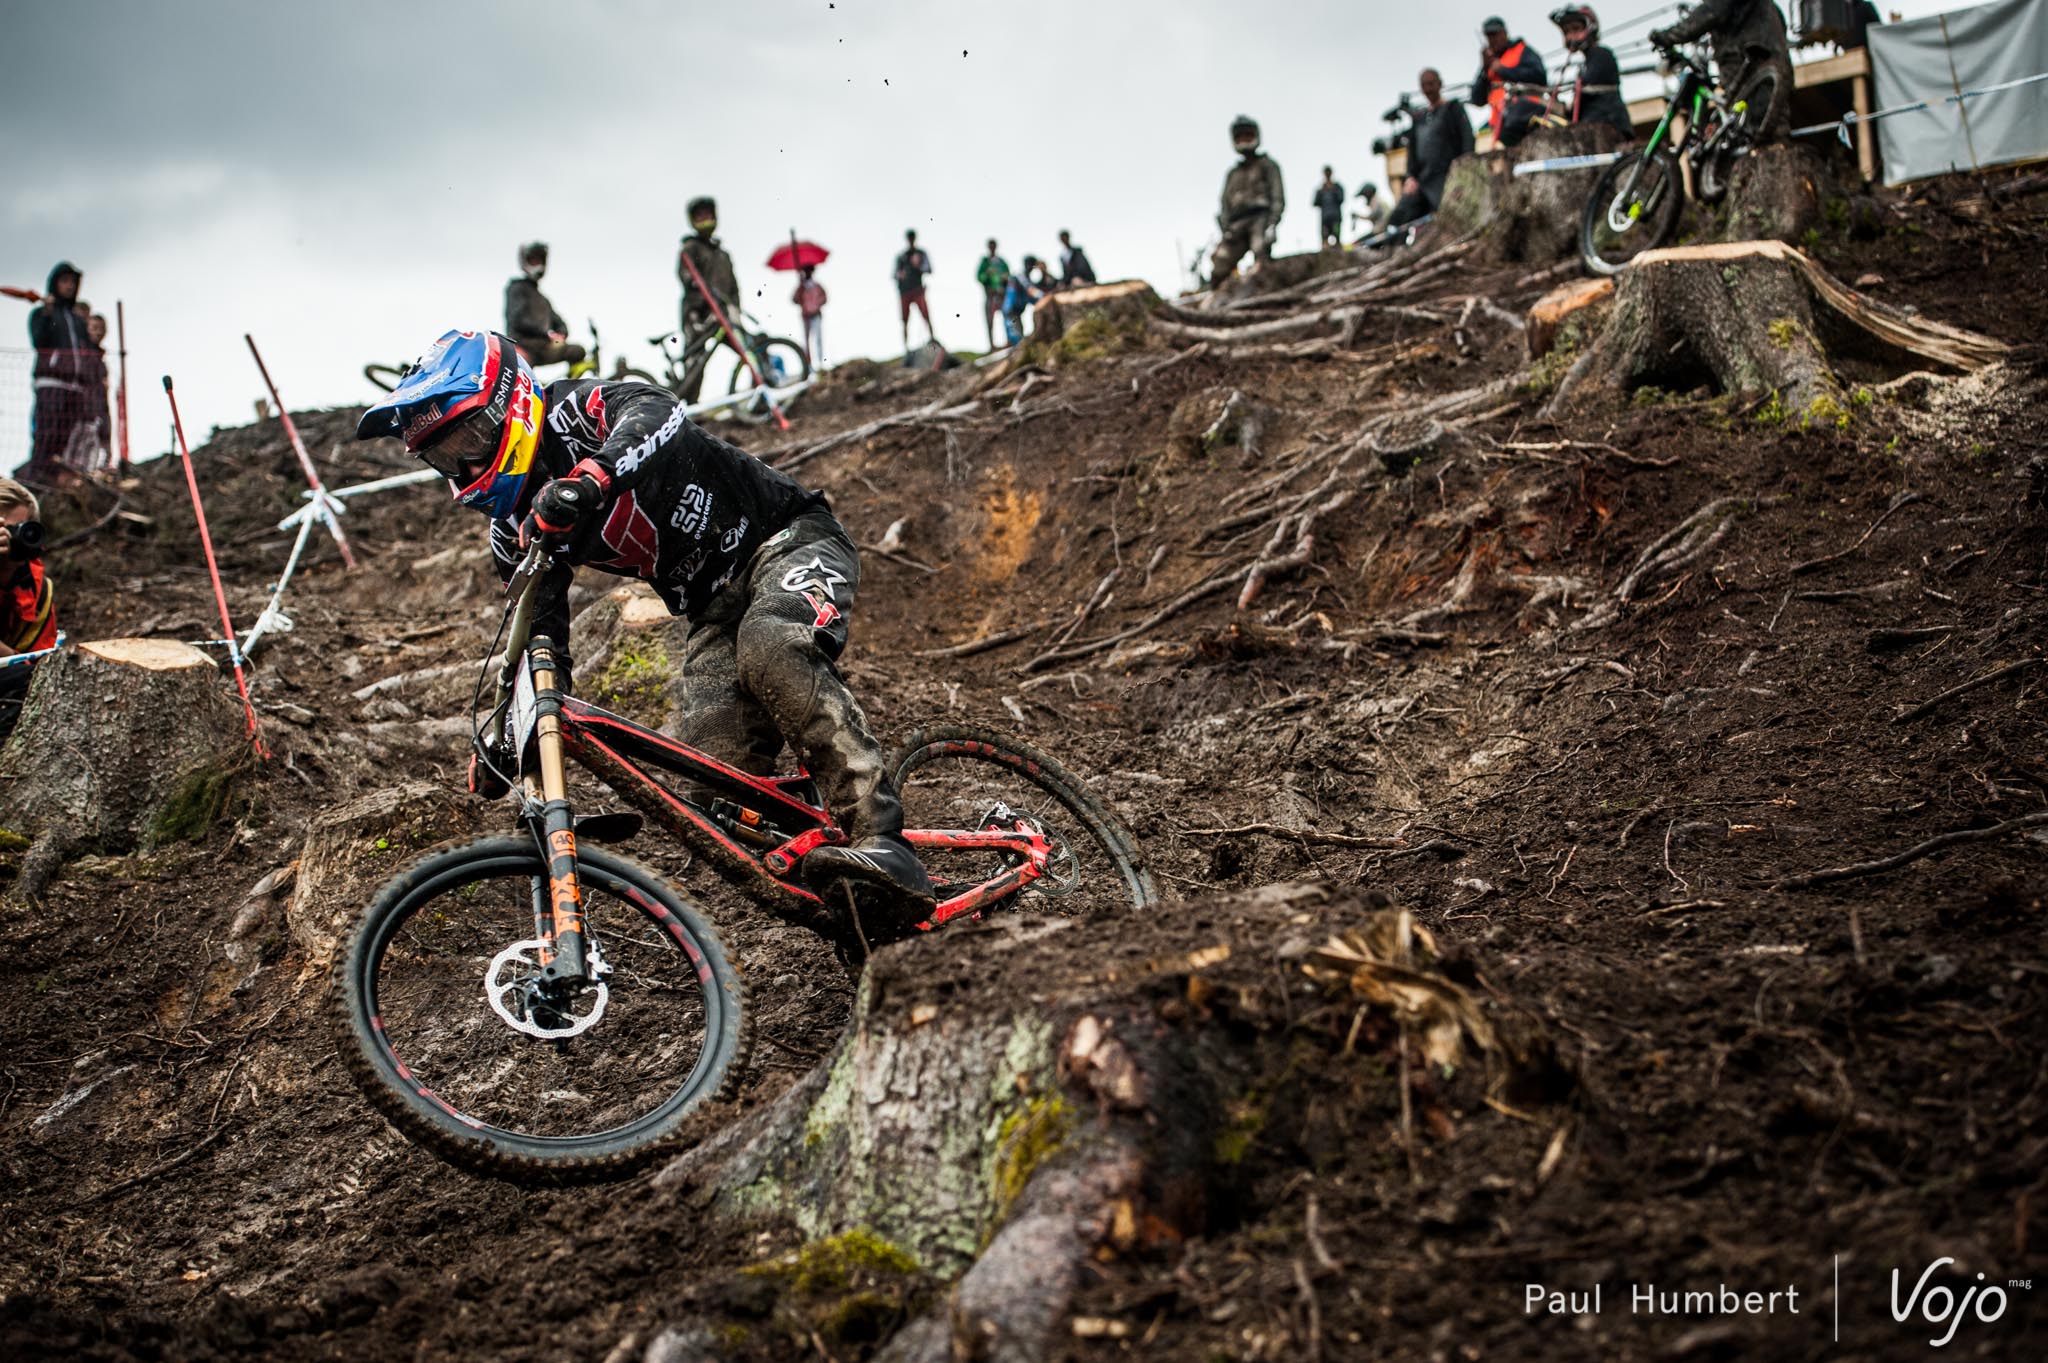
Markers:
point(1942, 1311)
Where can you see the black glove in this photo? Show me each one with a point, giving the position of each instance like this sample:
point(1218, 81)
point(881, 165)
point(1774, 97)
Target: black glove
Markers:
point(562, 506)
point(1661, 37)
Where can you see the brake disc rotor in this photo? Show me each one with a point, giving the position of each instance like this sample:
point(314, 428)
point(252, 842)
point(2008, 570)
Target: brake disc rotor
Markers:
point(512, 987)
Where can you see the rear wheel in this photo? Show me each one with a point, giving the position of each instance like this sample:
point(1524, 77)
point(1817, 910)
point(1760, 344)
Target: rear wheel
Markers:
point(966, 778)
point(1633, 209)
point(466, 1049)
point(1748, 114)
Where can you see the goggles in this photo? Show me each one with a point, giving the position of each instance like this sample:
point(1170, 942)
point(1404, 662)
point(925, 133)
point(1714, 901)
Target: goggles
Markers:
point(467, 443)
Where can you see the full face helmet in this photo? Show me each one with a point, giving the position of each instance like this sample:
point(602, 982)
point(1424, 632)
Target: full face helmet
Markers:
point(1244, 133)
point(1578, 14)
point(470, 410)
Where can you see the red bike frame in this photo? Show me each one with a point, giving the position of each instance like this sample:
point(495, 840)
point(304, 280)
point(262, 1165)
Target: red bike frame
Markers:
point(760, 838)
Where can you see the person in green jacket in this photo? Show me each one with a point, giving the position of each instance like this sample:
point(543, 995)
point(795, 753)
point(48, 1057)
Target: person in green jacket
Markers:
point(992, 272)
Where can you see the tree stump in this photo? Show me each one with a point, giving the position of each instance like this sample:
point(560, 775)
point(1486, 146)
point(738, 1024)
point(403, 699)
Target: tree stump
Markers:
point(1002, 1121)
point(1549, 314)
point(1535, 218)
point(1759, 317)
point(354, 848)
point(1075, 323)
point(1775, 193)
point(1469, 199)
point(121, 743)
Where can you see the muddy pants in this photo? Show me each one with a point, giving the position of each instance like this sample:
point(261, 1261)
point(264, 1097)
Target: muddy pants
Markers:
point(1243, 234)
point(759, 669)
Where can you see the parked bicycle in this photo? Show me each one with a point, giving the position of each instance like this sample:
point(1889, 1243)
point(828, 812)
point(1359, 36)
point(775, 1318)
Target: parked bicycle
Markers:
point(388, 376)
point(780, 361)
point(1636, 204)
point(534, 1006)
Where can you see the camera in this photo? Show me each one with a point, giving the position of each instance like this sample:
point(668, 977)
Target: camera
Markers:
point(25, 541)
point(1395, 141)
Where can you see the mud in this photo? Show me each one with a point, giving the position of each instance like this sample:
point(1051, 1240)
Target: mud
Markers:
point(1595, 817)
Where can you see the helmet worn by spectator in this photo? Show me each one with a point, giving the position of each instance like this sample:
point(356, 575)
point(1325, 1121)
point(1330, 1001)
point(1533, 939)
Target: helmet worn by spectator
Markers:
point(1244, 134)
point(531, 254)
point(1568, 16)
point(703, 213)
point(470, 410)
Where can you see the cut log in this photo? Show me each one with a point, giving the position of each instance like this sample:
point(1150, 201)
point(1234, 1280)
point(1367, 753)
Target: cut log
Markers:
point(122, 743)
point(1548, 314)
point(1758, 317)
point(353, 849)
point(1095, 1116)
point(1094, 316)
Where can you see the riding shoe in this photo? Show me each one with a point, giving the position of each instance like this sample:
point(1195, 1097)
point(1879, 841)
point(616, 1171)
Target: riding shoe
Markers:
point(884, 860)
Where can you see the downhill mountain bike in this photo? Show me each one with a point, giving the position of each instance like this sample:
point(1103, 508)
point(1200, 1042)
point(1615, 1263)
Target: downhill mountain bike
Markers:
point(389, 376)
point(536, 1007)
point(780, 361)
point(1635, 206)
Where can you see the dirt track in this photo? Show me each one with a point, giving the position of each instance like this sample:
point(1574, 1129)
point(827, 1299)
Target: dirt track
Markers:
point(1597, 822)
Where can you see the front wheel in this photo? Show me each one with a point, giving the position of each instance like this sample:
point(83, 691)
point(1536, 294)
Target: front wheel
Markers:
point(783, 362)
point(1634, 208)
point(964, 778)
point(461, 1041)
point(384, 376)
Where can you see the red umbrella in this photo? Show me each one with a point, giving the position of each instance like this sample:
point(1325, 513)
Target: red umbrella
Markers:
point(797, 255)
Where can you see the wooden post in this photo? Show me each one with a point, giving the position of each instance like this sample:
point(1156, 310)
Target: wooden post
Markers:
point(1866, 136)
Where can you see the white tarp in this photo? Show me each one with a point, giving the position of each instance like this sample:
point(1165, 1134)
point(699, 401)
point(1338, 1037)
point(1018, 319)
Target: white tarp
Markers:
point(1969, 49)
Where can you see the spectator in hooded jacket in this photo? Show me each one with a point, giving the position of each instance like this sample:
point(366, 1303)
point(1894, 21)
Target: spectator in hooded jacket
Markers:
point(63, 370)
point(1509, 85)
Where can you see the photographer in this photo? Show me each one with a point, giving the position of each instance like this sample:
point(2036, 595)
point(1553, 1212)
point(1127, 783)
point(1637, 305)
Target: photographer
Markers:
point(1440, 135)
point(28, 617)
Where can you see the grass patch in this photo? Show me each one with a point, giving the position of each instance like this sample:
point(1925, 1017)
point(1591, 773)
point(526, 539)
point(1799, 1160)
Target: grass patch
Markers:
point(192, 806)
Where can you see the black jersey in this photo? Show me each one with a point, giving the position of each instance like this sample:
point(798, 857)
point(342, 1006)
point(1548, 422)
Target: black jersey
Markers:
point(682, 510)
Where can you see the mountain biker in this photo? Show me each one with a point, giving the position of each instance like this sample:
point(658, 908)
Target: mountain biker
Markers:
point(530, 320)
point(1506, 62)
point(1442, 135)
point(1749, 37)
point(1254, 197)
point(1596, 92)
point(701, 330)
point(623, 482)
point(993, 274)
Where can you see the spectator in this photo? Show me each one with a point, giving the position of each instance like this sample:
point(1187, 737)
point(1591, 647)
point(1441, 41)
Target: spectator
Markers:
point(1442, 135)
point(1596, 87)
point(28, 617)
point(1074, 267)
point(530, 320)
point(911, 268)
point(1330, 202)
point(1374, 211)
point(810, 301)
point(993, 274)
point(1254, 197)
point(62, 369)
point(92, 443)
point(1749, 39)
point(1021, 292)
point(701, 329)
point(1510, 84)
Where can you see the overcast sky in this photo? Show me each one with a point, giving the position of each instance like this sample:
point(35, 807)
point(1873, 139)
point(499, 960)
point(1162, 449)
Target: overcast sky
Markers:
point(347, 181)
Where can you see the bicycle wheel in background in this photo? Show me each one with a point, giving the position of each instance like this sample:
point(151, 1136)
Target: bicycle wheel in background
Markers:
point(459, 1044)
point(964, 778)
point(384, 376)
point(786, 363)
point(1634, 208)
point(1748, 114)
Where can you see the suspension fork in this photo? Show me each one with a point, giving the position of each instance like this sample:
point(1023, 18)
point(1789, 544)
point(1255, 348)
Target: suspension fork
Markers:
point(568, 962)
